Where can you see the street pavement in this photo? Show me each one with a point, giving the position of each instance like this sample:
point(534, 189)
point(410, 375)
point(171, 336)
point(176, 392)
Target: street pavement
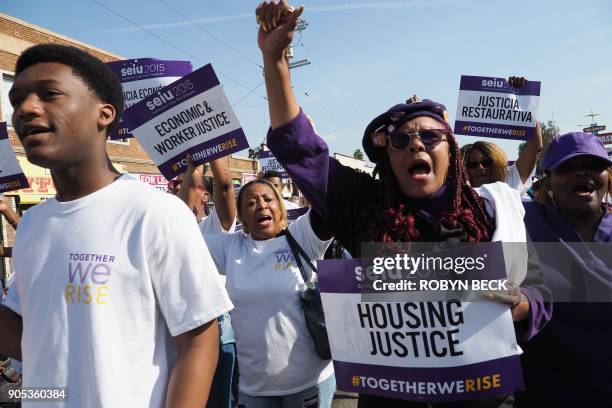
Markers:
point(344, 400)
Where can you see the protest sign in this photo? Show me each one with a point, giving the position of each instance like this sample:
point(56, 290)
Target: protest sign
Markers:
point(142, 77)
point(189, 116)
point(11, 175)
point(295, 213)
point(154, 180)
point(246, 177)
point(267, 162)
point(401, 345)
point(490, 107)
point(606, 138)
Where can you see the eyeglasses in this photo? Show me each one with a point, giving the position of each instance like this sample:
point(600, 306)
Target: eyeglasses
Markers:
point(486, 163)
point(429, 137)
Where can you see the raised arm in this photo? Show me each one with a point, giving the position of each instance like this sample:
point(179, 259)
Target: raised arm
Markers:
point(13, 219)
point(337, 194)
point(277, 23)
point(11, 216)
point(528, 158)
point(188, 192)
point(225, 197)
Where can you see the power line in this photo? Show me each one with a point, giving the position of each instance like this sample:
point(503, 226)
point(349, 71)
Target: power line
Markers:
point(193, 57)
point(329, 78)
point(248, 93)
point(331, 112)
point(231, 13)
point(211, 34)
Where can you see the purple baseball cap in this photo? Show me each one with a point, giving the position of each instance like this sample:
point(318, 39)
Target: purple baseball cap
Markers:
point(374, 138)
point(571, 145)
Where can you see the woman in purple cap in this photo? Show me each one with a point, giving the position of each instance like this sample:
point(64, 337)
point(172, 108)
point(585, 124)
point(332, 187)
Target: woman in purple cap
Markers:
point(569, 363)
point(422, 193)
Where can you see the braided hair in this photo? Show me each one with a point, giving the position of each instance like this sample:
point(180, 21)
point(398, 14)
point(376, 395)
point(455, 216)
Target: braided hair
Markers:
point(392, 221)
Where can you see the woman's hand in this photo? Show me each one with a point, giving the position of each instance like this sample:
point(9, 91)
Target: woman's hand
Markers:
point(518, 302)
point(527, 160)
point(516, 81)
point(277, 22)
point(192, 177)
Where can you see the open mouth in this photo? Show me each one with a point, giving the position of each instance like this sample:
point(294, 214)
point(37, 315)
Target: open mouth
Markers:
point(419, 170)
point(584, 189)
point(264, 220)
point(34, 130)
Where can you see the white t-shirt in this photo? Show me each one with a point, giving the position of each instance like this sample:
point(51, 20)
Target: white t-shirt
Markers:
point(211, 224)
point(276, 354)
point(102, 283)
point(504, 203)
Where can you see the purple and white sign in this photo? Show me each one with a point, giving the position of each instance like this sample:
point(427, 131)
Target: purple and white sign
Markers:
point(490, 107)
point(11, 175)
point(267, 162)
point(189, 116)
point(142, 77)
point(403, 346)
point(295, 213)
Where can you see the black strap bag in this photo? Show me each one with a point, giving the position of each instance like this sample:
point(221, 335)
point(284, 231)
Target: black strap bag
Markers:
point(311, 301)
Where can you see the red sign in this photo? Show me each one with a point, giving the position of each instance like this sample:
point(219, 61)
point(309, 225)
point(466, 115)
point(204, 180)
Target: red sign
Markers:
point(606, 138)
point(39, 185)
point(246, 177)
point(156, 180)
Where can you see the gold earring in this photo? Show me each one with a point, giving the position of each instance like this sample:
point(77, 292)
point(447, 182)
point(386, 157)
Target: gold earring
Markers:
point(552, 198)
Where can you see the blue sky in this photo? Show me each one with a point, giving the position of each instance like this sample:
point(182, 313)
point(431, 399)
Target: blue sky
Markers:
point(366, 55)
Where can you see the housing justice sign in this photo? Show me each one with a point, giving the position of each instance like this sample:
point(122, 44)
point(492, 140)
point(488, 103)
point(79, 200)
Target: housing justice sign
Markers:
point(140, 78)
point(190, 116)
point(490, 107)
point(403, 346)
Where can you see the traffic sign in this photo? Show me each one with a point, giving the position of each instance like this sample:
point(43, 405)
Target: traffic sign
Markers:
point(592, 129)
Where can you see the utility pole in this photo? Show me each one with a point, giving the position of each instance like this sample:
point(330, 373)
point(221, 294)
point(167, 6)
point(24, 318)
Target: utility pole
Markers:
point(593, 128)
point(301, 26)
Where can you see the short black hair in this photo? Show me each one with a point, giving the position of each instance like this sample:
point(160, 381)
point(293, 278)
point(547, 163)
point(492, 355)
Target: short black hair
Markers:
point(272, 173)
point(98, 77)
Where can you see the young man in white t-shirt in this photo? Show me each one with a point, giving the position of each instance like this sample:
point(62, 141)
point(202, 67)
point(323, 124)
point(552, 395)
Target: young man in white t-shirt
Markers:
point(114, 297)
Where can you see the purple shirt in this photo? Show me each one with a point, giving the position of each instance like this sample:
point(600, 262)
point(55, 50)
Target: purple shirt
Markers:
point(569, 363)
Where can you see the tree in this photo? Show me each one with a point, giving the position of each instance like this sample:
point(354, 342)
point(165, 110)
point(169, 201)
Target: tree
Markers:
point(550, 131)
point(358, 154)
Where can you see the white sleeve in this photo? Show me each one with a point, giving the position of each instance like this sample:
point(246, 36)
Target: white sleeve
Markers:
point(212, 224)
point(302, 230)
point(182, 271)
point(513, 179)
point(218, 244)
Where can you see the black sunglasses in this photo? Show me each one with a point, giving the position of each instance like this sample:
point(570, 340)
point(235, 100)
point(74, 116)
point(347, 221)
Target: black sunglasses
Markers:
point(429, 137)
point(486, 163)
